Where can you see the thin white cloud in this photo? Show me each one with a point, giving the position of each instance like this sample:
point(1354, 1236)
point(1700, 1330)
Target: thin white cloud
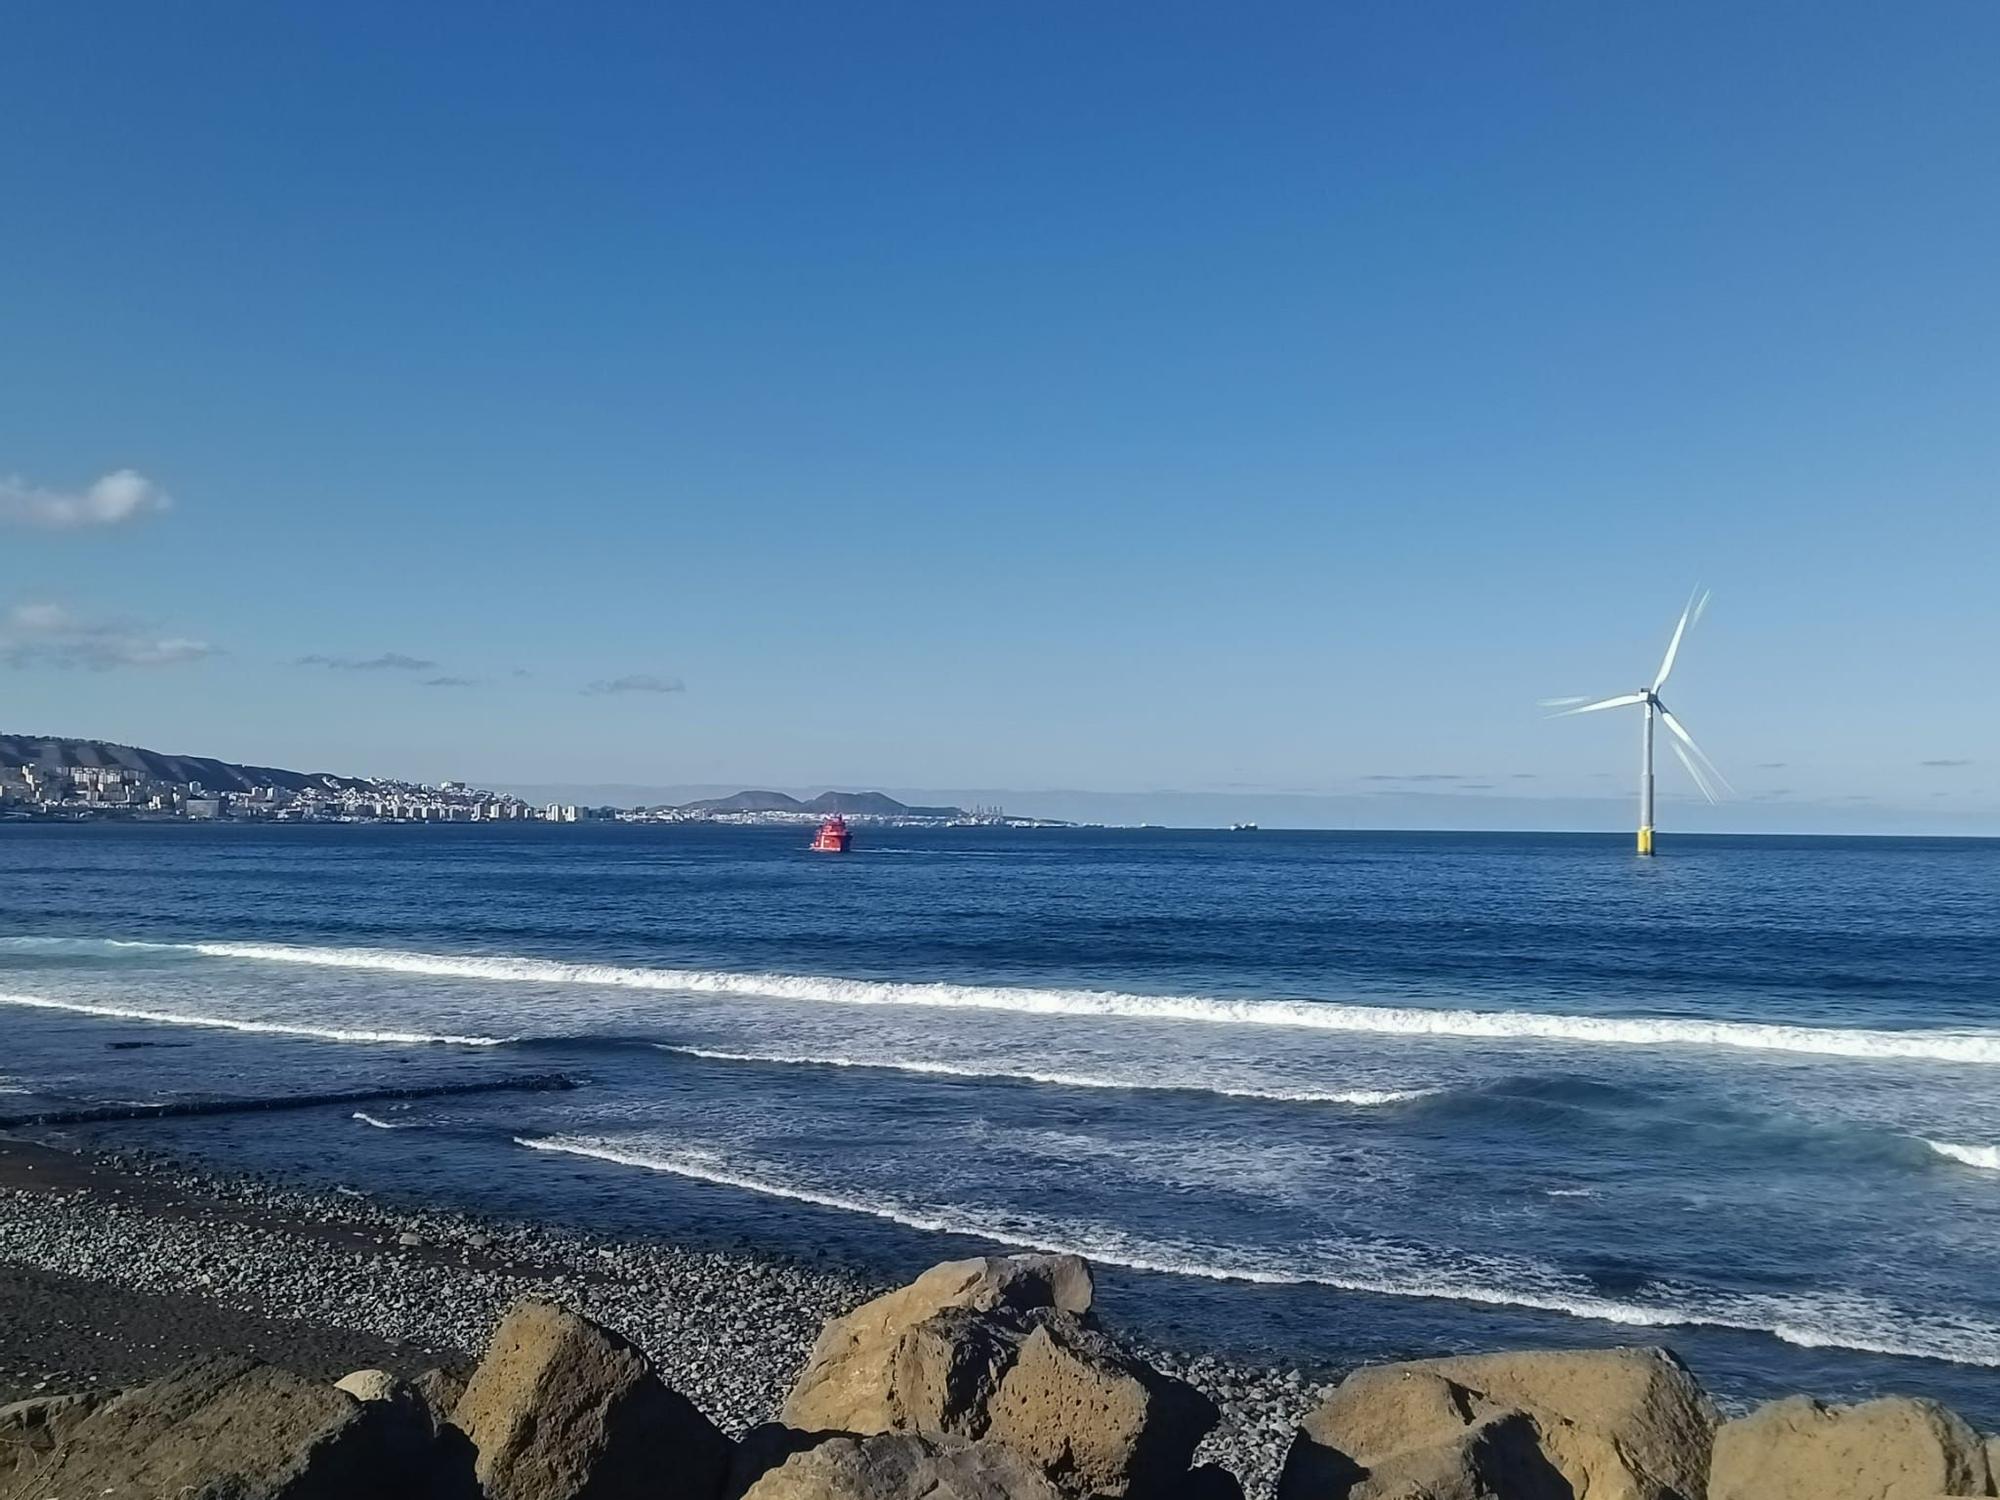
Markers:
point(637, 682)
point(388, 661)
point(121, 496)
point(47, 635)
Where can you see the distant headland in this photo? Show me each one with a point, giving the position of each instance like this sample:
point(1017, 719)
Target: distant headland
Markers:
point(50, 778)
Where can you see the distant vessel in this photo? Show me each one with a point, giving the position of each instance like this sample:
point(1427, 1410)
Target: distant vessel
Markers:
point(833, 837)
point(1242, 827)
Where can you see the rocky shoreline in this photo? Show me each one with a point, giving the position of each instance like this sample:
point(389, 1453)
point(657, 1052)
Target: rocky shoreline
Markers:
point(170, 1332)
point(319, 1271)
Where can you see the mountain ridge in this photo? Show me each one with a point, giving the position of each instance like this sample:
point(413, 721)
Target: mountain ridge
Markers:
point(51, 753)
point(844, 804)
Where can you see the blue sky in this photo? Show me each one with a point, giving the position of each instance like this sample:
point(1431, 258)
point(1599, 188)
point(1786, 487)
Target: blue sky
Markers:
point(1263, 399)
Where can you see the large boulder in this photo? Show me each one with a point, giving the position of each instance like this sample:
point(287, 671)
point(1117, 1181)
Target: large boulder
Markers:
point(846, 1384)
point(1000, 1348)
point(31, 1430)
point(221, 1429)
point(903, 1466)
point(562, 1409)
point(1613, 1424)
point(1396, 1431)
point(1098, 1421)
point(1897, 1448)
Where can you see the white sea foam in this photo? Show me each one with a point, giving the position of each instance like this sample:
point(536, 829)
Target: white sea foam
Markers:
point(1833, 1321)
point(1985, 1157)
point(380, 1124)
point(231, 1023)
point(1361, 1097)
point(1945, 1046)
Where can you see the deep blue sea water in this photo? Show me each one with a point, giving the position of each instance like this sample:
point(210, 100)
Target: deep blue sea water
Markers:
point(1336, 1096)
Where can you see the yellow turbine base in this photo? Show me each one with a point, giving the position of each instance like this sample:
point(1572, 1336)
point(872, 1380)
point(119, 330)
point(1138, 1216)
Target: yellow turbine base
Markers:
point(1645, 841)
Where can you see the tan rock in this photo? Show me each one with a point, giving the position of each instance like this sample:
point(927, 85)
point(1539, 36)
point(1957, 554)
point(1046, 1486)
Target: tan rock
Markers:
point(30, 1430)
point(1097, 1421)
point(370, 1385)
point(222, 1428)
point(847, 1378)
point(562, 1409)
point(1613, 1424)
point(439, 1391)
point(1621, 1424)
point(1403, 1432)
point(903, 1466)
point(1897, 1448)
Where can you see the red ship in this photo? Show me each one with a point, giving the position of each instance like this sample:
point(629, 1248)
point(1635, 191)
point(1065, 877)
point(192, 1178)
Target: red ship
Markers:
point(833, 837)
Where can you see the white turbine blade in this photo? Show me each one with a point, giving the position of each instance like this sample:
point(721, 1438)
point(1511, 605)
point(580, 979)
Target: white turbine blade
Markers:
point(1590, 708)
point(1697, 602)
point(1680, 733)
point(1694, 770)
point(1562, 702)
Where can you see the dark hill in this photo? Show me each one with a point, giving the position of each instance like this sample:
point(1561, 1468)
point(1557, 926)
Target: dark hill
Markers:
point(17, 750)
point(854, 804)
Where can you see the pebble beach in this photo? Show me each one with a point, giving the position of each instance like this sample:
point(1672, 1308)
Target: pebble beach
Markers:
point(115, 1268)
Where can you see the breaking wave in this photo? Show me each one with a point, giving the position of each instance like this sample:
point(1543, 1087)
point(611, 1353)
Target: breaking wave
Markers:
point(1985, 1157)
point(1834, 1321)
point(1359, 1097)
point(1982, 1047)
point(380, 1124)
point(231, 1023)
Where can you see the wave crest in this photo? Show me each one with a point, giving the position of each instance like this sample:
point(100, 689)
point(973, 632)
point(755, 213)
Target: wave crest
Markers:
point(1940, 1046)
point(1837, 1321)
point(1985, 1157)
point(231, 1023)
point(1358, 1097)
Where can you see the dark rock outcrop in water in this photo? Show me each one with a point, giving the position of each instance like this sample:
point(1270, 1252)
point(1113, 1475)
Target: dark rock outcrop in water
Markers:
point(984, 1379)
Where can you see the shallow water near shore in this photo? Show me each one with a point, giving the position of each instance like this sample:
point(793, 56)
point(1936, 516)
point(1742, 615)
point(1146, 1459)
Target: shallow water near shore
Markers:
point(1332, 1097)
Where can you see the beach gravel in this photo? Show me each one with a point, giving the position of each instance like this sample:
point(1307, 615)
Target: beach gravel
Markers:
point(325, 1281)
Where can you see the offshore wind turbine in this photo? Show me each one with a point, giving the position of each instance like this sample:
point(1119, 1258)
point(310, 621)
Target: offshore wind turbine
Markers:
point(1699, 766)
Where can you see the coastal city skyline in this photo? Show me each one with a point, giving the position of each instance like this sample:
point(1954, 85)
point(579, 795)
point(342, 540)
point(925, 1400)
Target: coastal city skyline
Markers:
point(1267, 443)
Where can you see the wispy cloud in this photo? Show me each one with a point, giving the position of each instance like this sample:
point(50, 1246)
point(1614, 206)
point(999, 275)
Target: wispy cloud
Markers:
point(1417, 776)
point(451, 682)
point(1524, 776)
point(1944, 765)
point(121, 496)
point(637, 682)
point(1771, 765)
point(388, 661)
point(48, 635)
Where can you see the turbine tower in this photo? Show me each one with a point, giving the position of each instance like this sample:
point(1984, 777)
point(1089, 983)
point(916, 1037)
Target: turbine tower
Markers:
point(1699, 766)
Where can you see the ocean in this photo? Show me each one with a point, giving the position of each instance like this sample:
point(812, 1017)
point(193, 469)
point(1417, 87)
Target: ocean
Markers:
point(1328, 1097)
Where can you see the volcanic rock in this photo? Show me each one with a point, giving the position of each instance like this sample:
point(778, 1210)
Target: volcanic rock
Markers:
point(847, 1382)
point(561, 1409)
point(222, 1429)
point(1621, 1424)
point(903, 1466)
point(1896, 1448)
